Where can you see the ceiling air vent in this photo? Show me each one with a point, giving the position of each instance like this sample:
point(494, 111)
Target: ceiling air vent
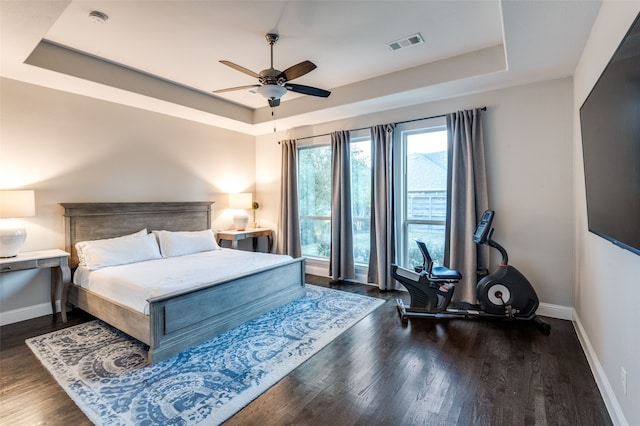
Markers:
point(406, 42)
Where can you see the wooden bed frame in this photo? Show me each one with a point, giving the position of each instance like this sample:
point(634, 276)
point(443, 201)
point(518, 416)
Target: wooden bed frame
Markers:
point(185, 318)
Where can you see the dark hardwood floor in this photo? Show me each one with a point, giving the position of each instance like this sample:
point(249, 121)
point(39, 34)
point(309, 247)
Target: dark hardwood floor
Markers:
point(379, 372)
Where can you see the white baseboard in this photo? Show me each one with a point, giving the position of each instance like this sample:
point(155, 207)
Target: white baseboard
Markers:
point(555, 311)
point(316, 269)
point(609, 397)
point(28, 312)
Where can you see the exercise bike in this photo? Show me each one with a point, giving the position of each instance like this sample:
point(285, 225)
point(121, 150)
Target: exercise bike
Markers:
point(504, 293)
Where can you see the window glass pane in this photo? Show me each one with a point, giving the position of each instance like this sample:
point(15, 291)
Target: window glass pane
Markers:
point(427, 176)
point(315, 237)
point(433, 237)
point(314, 193)
point(361, 198)
point(425, 193)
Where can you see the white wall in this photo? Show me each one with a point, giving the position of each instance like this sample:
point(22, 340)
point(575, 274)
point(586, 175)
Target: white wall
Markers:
point(70, 148)
point(608, 277)
point(528, 137)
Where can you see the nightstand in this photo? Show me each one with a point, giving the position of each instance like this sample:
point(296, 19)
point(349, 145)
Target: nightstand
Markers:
point(255, 233)
point(56, 260)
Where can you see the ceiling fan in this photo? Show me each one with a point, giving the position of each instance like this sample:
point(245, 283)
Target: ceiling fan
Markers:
point(275, 83)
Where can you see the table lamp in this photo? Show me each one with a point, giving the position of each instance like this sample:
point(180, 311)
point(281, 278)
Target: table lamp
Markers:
point(240, 202)
point(14, 205)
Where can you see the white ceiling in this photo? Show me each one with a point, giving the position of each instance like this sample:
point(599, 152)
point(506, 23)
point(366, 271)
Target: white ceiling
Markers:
point(469, 46)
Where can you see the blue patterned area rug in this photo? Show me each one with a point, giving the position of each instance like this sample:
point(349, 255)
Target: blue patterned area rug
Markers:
point(104, 371)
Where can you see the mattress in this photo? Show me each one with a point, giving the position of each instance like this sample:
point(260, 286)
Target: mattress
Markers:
point(133, 284)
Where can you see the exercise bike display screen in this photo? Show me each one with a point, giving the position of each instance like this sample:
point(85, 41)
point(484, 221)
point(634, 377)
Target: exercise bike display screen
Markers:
point(482, 231)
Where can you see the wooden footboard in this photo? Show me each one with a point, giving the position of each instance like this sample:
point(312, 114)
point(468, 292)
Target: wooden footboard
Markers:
point(179, 322)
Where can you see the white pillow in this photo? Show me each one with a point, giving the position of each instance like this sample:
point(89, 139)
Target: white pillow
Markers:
point(120, 251)
point(82, 244)
point(185, 242)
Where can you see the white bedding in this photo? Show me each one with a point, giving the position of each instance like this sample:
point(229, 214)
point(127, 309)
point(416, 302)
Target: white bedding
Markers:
point(131, 285)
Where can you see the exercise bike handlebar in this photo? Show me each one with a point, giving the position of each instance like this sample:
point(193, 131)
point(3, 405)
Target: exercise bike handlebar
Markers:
point(484, 232)
point(495, 245)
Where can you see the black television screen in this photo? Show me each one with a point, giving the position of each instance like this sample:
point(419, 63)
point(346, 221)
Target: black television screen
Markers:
point(610, 125)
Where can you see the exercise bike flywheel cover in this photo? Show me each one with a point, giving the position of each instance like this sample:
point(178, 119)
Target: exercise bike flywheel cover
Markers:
point(499, 295)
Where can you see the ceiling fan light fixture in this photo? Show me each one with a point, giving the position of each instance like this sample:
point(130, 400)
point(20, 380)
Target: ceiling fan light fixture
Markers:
point(271, 91)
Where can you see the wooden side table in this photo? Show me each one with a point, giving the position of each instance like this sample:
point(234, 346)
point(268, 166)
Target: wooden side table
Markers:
point(57, 260)
point(255, 233)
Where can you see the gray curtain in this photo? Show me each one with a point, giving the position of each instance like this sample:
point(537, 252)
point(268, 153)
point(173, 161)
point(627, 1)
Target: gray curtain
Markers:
point(341, 264)
point(467, 199)
point(288, 238)
point(382, 235)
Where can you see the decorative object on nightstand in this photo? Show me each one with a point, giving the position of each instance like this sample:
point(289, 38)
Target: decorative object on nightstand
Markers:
point(240, 202)
point(14, 205)
point(255, 206)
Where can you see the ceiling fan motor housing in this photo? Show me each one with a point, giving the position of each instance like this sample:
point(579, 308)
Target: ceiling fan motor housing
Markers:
point(270, 76)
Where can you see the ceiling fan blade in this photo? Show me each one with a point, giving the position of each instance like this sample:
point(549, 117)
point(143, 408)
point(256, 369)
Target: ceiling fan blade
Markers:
point(307, 90)
point(241, 69)
point(297, 70)
point(231, 89)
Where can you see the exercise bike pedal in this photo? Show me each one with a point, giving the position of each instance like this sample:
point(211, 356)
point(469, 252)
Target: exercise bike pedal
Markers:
point(542, 325)
point(402, 311)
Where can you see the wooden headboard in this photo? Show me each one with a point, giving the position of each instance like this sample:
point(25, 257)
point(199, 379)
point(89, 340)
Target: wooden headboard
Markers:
point(95, 221)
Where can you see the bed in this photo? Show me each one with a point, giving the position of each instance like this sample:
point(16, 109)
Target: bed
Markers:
point(180, 318)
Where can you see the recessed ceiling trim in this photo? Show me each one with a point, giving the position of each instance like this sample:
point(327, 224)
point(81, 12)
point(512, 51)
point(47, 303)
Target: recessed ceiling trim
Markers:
point(61, 59)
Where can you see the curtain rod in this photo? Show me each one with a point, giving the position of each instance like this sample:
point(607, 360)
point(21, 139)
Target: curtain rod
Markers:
point(484, 108)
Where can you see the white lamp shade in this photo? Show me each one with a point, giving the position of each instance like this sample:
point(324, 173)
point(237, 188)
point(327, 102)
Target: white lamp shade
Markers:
point(240, 201)
point(14, 204)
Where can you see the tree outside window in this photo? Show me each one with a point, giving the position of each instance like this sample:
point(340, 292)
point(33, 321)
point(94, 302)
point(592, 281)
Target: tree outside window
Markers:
point(314, 204)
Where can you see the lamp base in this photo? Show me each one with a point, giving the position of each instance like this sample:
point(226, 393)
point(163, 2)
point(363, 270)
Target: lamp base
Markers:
point(240, 220)
point(12, 237)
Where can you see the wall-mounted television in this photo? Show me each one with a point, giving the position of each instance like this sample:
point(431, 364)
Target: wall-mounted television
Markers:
point(610, 125)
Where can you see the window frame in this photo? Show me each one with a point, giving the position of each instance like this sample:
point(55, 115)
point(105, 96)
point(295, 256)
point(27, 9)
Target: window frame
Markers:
point(402, 223)
point(317, 145)
point(359, 136)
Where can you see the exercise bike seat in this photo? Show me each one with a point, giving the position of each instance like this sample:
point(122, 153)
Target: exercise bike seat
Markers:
point(444, 273)
point(436, 273)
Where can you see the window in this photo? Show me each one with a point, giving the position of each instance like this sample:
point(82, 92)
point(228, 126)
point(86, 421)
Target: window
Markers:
point(314, 192)
point(361, 198)
point(420, 185)
point(314, 203)
point(421, 189)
